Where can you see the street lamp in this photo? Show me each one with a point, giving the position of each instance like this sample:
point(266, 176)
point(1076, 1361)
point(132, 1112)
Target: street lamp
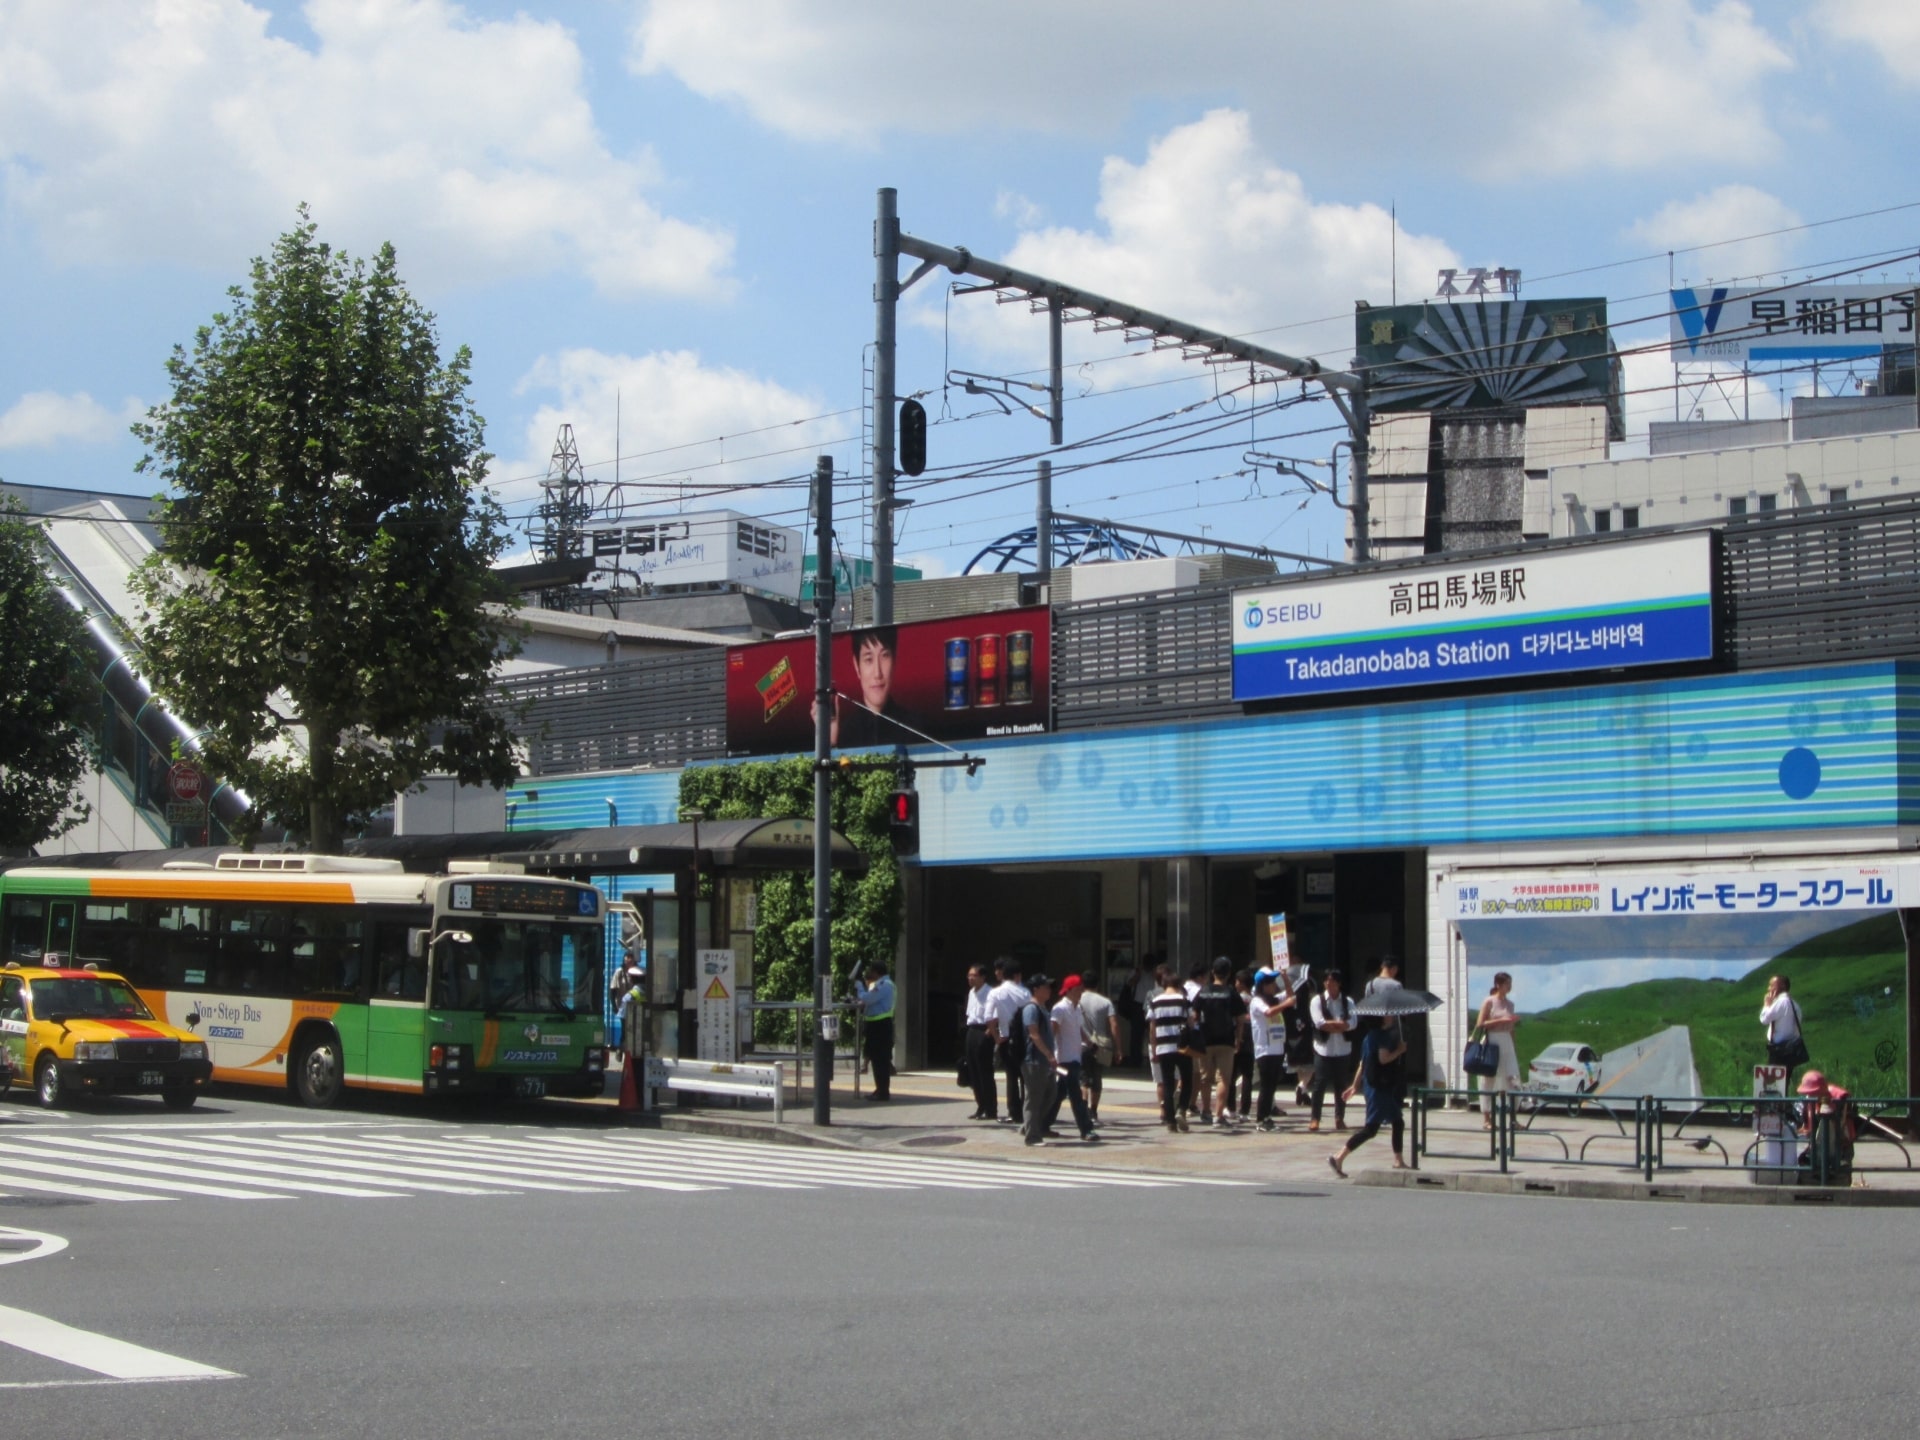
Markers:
point(689, 942)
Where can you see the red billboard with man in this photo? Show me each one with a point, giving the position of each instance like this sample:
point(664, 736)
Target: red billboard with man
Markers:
point(967, 678)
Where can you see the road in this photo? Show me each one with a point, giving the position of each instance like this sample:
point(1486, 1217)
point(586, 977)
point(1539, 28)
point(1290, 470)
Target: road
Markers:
point(1661, 1064)
point(396, 1272)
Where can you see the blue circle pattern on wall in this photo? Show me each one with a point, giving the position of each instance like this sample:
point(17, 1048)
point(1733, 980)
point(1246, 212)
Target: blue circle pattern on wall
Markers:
point(1222, 816)
point(949, 781)
point(1412, 758)
point(1161, 792)
point(1129, 794)
point(1697, 748)
point(1321, 800)
point(997, 816)
point(1092, 767)
point(1019, 815)
point(1799, 772)
point(1803, 720)
point(1047, 775)
point(1856, 716)
point(1369, 798)
point(975, 780)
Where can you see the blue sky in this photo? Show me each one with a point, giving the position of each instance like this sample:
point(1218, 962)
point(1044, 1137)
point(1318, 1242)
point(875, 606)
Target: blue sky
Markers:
point(673, 201)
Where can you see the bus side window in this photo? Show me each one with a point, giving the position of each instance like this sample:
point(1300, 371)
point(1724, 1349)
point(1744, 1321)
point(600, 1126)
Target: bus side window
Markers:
point(397, 975)
point(23, 928)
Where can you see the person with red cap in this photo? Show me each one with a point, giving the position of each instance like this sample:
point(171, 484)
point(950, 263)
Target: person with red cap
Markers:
point(1827, 1120)
point(1069, 1050)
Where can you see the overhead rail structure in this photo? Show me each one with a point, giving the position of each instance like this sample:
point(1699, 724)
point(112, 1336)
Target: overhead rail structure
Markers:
point(1062, 304)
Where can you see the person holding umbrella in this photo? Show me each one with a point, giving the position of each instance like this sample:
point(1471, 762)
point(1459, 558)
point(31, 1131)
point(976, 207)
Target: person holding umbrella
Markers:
point(1383, 1068)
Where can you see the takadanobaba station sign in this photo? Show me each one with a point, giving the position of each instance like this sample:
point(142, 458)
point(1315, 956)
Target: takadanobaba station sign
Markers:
point(1596, 608)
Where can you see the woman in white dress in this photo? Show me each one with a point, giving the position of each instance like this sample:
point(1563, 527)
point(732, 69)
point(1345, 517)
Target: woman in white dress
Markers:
point(1498, 1019)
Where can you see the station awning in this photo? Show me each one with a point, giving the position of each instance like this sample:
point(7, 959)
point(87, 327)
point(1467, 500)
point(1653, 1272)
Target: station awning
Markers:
point(661, 849)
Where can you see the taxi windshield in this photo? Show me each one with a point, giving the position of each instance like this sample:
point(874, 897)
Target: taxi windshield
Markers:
point(72, 999)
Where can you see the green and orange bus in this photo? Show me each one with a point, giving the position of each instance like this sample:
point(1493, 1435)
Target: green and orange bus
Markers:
point(321, 973)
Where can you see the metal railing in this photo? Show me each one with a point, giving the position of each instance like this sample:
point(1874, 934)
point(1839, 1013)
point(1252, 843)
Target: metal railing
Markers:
point(1791, 1140)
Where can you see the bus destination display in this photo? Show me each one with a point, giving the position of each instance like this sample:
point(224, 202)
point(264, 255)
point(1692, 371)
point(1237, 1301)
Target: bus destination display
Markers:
point(522, 897)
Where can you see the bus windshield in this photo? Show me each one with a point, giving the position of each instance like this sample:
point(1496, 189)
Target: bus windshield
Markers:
point(519, 965)
point(86, 999)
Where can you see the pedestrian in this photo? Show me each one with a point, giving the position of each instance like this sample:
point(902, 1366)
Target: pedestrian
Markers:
point(1267, 1021)
point(1296, 981)
point(1009, 1050)
point(1386, 977)
point(630, 993)
point(1167, 1019)
point(1332, 1016)
point(1218, 1013)
point(876, 1012)
point(1786, 1042)
point(1196, 977)
point(1498, 1018)
point(1037, 1058)
point(979, 1046)
point(1383, 1074)
point(1104, 1048)
point(1241, 1088)
point(1827, 1120)
point(1069, 1053)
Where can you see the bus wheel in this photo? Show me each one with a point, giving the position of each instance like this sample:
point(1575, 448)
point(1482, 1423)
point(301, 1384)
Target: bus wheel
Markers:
point(179, 1097)
point(48, 1084)
point(317, 1072)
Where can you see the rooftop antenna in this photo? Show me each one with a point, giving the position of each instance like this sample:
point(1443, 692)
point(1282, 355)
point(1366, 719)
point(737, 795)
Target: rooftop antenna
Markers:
point(564, 511)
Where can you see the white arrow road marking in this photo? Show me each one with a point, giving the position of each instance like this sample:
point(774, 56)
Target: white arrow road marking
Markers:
point(102, 1354)
point(34, 1243)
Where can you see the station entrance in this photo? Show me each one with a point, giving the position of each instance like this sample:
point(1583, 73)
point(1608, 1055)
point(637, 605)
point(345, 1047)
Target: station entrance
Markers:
point(1119, 918)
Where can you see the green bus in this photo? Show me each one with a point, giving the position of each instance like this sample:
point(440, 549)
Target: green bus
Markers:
point(322, 973)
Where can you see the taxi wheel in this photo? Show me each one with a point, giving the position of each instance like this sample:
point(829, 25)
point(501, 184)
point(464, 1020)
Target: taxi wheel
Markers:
point(48, 1084)
point(317, 1073)
point(179, 1097)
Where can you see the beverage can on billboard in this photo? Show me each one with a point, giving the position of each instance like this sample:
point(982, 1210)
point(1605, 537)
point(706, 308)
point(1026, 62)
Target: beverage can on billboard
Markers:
point(986, 670)
point(1020, 667)
point(959, 653)
point(777, 688)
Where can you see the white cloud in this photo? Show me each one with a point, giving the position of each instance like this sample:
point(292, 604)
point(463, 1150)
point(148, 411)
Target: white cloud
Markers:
point(182, 129)
point(678, 419)
point(44, 417)
point(1515, 87)
point(1730, 212)
point(1892, 27)
point(1207, 228)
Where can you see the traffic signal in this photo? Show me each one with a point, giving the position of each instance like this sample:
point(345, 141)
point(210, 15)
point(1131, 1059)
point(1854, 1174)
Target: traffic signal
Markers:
point(913, 437)
point(903, 821)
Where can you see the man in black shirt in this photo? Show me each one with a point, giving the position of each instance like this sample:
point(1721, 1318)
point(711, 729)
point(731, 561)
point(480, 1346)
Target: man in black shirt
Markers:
point(1218, 1014)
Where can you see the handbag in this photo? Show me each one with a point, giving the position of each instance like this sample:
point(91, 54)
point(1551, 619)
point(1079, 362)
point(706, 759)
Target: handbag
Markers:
point(1790, 1053)
point(1482, 1056)
point(964, 1076)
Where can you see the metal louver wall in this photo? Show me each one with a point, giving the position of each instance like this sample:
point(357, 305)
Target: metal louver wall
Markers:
point(662, 712)
point(1815, 586)
point(1147, 657)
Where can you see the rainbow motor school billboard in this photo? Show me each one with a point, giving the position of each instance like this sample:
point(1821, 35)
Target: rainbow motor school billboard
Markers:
point(1598, 607)
point(965, 678)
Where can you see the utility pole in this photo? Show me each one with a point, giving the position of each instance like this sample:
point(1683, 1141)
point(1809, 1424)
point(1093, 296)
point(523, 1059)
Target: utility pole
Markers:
point(825, 1020)
point(886, 297)
point(1361, 424)
point(1043, 526)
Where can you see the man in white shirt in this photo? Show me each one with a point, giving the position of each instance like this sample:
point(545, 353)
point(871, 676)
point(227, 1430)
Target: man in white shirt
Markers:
point(1069, 1048)
point(1103, 1042)
point(1782, 1019)
point(979, 1046)
point(1266, 1015)
point(1010, 1047)
point(1332, 1051)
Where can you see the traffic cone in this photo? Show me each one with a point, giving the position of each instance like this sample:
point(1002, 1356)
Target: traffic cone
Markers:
point(630, 1084)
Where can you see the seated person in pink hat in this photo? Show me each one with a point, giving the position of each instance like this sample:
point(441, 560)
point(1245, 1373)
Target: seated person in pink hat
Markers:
point(1827, 1108)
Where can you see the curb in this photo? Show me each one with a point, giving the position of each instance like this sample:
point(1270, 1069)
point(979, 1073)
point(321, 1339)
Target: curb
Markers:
point(804, 1136)
point(1588, 1189)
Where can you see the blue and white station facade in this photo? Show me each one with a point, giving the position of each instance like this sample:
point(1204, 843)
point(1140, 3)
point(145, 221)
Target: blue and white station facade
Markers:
point(1421, 752)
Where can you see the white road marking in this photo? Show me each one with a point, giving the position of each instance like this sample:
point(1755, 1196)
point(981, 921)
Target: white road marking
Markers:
point(43, 1244)
point(102, 1354)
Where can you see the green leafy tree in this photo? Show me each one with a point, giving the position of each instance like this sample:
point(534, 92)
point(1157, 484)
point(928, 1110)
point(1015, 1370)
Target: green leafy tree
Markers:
point(47, 696)
point(865, 907)
point(322, 598)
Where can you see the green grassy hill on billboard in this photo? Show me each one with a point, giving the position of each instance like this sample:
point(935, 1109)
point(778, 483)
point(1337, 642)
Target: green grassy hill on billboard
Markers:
point(1850, 984)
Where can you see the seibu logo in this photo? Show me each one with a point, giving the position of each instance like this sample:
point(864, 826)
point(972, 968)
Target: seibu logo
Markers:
point(1258, 615)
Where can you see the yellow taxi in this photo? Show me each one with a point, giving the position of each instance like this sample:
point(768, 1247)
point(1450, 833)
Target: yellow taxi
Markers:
point(68, 1033)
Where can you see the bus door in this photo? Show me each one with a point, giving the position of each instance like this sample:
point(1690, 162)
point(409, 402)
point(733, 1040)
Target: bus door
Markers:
point(397, 1010)
point(60, 928)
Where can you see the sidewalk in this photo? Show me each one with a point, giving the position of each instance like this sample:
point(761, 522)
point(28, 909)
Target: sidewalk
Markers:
point(928, 1115)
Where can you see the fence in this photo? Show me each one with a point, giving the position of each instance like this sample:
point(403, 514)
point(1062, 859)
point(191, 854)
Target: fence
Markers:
point(1784, 1141)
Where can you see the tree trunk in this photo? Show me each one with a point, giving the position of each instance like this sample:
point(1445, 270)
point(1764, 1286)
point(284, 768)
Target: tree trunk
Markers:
point(323, 814)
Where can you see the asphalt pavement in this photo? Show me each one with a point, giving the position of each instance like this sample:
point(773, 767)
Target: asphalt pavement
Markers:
point(391, 1270)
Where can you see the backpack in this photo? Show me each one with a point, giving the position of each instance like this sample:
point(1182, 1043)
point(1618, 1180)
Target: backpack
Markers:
point(1216, 1015)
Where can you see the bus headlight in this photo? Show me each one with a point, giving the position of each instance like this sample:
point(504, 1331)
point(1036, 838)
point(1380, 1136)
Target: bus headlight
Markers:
point(193, 1049)
point(93, 1050)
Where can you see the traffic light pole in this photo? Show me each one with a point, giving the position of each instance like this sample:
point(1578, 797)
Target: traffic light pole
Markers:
point(825, 1018)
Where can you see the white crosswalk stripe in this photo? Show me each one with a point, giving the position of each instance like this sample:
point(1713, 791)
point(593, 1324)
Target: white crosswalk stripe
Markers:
point(395, 1161)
